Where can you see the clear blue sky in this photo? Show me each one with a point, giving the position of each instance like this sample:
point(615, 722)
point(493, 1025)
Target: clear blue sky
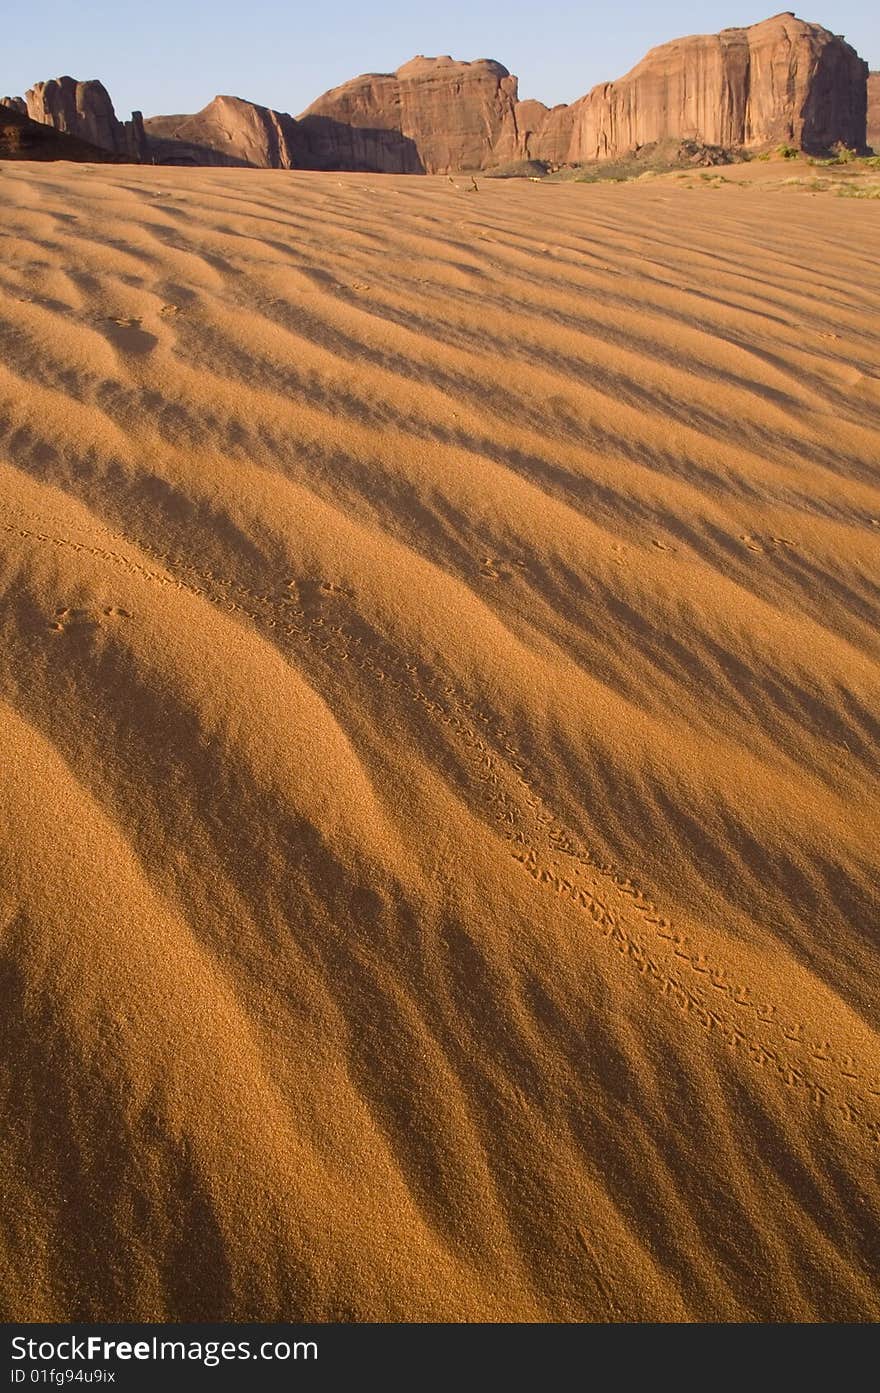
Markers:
point(168, 56)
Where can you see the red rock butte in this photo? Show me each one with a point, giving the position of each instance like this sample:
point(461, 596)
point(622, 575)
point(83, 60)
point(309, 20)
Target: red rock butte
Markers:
point(784, 80)
point(873, 122)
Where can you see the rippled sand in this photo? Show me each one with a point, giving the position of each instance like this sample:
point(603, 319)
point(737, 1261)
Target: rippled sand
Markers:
point(438, 814)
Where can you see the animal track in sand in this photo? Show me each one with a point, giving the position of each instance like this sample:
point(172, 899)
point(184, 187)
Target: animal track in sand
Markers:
point(128, 336)
point(730, 1028)
point(598, 1275)
point(92, 617)
point(308, 591)
point(616, 907)
point(764, 544)
point(493, 570)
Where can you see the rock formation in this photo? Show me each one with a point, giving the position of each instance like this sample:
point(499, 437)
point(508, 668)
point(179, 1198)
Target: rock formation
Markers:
point(15, 104)
point(874, 112)
point(783, 80)
point(24, 139)
point(431, 116)
point(228, 131)
point(434, 115)
point(84, 109)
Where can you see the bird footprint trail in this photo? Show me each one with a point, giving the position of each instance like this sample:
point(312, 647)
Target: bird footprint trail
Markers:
point(439, 691)
point(621, 914)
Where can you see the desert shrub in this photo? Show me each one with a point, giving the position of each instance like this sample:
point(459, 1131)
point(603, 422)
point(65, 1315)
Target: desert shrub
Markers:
point(808, 185)
point(858, 191)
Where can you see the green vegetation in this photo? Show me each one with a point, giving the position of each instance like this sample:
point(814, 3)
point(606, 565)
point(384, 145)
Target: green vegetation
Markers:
point(842, 188)
point(691, 161)
point(858, 191)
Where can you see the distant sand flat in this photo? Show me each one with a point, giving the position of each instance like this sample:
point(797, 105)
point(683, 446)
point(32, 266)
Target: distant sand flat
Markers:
point(439, 726)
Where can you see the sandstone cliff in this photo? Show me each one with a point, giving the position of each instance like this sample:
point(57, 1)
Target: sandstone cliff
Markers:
point(783, 80)
point(874, 112)
point(228, 131)
point(433, 116)
point(24, 139)
point(84, 109)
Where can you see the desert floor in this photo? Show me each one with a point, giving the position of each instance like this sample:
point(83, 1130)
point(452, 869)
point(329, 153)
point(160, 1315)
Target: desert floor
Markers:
point(439, 708)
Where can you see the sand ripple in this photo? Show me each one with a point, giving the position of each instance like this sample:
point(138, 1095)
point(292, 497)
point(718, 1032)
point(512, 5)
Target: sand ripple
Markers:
point(439, 705)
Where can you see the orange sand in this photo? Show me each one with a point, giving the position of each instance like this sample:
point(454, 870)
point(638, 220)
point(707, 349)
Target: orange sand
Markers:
point(439, 709)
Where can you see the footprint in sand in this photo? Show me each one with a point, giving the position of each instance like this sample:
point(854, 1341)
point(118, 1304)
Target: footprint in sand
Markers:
point(310, 594)
point(128, 336)
point(493, 570)
point(764, 544)
point(67, 617)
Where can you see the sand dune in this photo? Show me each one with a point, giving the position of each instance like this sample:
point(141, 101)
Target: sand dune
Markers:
point(439, 714)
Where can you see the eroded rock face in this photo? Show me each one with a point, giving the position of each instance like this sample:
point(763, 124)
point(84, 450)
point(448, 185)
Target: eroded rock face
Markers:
point(24, 139)
point(228, 131)
point(15, 104)
point(135, 137)
point(874, 112)
point(84, 109)
point(433, 116)
point(783, 80)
